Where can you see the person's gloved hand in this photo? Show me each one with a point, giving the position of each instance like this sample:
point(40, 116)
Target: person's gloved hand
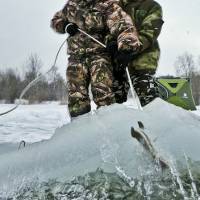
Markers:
point(71, 29)
point(112, 48)
point(124, 58)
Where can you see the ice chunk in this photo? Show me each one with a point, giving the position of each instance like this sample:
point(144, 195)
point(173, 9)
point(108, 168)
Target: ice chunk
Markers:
point(104, 140)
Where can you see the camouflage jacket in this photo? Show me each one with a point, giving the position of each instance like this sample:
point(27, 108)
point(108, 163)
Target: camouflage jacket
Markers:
point(99, 18)
point(147, 17)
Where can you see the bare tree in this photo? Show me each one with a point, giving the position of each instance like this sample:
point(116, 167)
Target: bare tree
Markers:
point(32, 70)
point(196, 87)
point(185, 65)
point(57, 86)
point(10, 84)
point(198, 63)
point(51, 88)
point(32, 67)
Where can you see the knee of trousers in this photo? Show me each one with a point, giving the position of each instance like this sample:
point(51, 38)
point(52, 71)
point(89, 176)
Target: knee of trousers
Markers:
point(102, 81)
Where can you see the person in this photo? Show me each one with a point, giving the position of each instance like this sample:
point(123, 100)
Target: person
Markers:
point(142, 62)
point(89, 62)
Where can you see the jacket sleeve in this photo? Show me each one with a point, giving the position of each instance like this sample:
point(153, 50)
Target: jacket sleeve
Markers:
point(150, 27)
point(59, 21)
point(121, 26)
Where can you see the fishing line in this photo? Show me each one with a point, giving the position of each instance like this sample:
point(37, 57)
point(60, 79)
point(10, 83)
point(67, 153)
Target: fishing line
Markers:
point(35, 81)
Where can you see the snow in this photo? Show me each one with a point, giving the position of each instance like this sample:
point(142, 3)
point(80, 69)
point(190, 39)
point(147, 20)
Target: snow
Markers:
point(98, 139)
point(31, 123)
point(197, 112)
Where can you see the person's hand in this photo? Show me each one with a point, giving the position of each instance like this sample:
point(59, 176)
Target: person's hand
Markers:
point(124, 58)
point(112, 48)
point(71, 29)
point(128, 40)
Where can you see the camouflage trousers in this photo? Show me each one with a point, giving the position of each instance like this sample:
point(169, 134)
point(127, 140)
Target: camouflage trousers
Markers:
point(94, 70)
point(143, 83)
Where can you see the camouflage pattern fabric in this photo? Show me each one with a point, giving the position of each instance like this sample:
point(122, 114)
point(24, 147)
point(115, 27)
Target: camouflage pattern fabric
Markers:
point(98, 18)
point(121, 26)
point(88, 18)
point(120, 86)
point(143, 82)
point(88, 62)
point(104, 17)
point(95, 70)
point(147, 18)
point(145, 86)
point(134, 24)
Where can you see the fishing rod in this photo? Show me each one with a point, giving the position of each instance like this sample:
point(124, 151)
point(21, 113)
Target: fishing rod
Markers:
point(133, 92)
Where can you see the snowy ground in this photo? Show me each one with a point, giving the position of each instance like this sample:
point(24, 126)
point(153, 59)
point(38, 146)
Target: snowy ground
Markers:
point(197, 112)
point(31, 123)
point(34, 123)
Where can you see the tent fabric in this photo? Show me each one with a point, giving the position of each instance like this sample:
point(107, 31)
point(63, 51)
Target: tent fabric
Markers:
point(176, 91)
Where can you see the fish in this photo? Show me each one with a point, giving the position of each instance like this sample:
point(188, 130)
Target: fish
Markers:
point(144, 140)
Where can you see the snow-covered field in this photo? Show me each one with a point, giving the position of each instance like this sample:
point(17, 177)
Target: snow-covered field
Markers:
point(33, 123)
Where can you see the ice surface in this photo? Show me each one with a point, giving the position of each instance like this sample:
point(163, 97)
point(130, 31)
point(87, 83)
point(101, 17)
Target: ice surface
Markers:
point(197, 112)
point(31, 123)
point(104, 140)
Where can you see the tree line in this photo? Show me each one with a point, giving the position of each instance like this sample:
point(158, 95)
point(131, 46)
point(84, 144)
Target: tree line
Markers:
point(12, 82)
point(53, 87)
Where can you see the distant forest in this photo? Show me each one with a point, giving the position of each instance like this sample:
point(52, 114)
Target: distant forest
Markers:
point(50, 88)
point(53, 87)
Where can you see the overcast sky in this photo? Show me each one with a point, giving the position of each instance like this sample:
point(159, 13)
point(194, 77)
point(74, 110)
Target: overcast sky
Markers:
point(24, 29)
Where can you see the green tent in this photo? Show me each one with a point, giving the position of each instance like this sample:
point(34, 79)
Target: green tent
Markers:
point(176, 91)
